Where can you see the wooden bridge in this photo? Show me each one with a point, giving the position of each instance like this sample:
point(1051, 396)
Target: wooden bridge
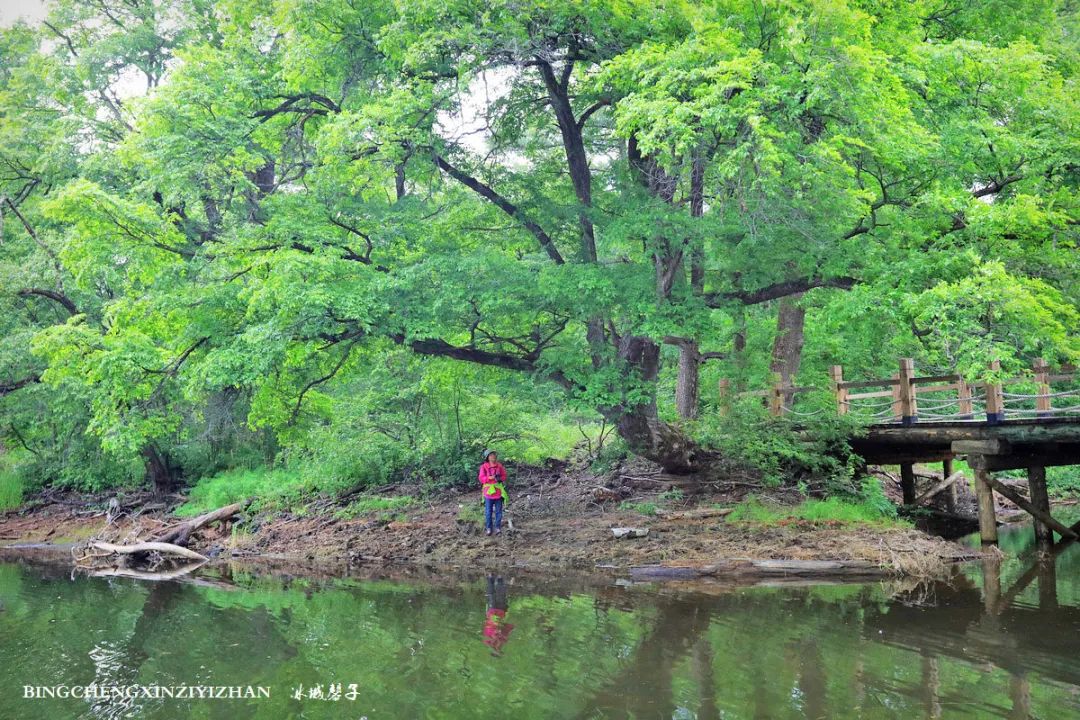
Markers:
point(1027, 422)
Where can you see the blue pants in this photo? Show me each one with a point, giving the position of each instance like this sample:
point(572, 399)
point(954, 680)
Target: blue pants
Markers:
point(497, 506)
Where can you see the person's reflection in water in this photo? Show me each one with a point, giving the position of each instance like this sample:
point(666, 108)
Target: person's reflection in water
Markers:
point(496, 629)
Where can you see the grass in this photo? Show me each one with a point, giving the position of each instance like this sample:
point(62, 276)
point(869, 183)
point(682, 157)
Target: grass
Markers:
point(374, 503)
point(269, 488)
point(645, 508)
point(11, 490)
point(828, 511)
point(471, 513)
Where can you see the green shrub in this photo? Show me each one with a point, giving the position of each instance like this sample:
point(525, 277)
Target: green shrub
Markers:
point(1063, 482)
point(11, 489)
point(753, 511)
point(270, 488)
point(645, 508)
point(810, 452)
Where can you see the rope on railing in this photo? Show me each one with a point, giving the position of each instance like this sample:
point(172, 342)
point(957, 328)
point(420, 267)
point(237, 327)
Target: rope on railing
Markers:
point(863, 404)
point(793, 411)
point(1024, 396)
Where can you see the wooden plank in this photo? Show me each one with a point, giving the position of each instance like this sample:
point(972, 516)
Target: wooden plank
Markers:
point(938, 388)
point(878, 394)
point(1022, 502)
point(992, 446)
point(867, 383)
point(935, 379)
point(947, 482)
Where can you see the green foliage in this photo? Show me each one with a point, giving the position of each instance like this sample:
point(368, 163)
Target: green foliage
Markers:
point(813, 453)
point(1063, 482)
point(276, 488)
point(645, 508)
point(367, 240)
point(11, 489)
point(831, 510)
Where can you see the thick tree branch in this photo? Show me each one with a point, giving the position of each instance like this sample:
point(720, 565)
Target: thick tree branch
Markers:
point(603, 102)
point(51, 295)
point(778, 290)
point(11, 387)
point(996, 186)
point(488, 193)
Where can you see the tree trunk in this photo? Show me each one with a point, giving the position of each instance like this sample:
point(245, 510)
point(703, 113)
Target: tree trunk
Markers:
point(157, 471)
point(788, 345)
point(686, 388)
point(639, 425)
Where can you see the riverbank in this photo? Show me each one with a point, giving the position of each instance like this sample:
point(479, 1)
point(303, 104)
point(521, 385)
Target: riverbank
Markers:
point(556, 520)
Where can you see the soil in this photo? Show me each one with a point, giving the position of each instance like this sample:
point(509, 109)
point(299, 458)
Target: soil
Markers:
point(557, 518)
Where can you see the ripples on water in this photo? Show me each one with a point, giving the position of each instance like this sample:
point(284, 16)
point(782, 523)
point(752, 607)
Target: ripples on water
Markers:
point(994, 642)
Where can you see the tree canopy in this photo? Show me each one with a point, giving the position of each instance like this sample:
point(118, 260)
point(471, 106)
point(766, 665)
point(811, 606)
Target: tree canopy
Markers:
point(310, 228)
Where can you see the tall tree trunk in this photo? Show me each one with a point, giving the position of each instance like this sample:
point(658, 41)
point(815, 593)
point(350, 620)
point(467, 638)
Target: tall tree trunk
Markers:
point(157, 471)
point(686, 387)
point(639, 424)
point(788, 345)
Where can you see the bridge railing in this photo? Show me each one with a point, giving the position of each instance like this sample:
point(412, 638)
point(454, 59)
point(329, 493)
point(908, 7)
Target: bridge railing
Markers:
point(907, 398)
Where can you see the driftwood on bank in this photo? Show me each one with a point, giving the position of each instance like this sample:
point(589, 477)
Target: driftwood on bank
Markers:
point(152, 552)
point(180, 534)
point(148, 547)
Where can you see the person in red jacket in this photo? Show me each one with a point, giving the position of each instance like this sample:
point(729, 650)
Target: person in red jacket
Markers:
point(492, 475)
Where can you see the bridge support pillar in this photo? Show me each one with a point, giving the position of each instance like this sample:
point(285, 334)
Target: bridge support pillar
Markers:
point(907, 482)
point(950, 492)
point(1044, 536)
point(987, 513)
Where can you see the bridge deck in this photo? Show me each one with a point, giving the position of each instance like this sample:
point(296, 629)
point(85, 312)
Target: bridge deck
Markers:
point(1021, 443)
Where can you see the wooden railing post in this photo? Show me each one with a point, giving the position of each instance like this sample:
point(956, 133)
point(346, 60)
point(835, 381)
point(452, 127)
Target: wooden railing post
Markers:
point(909, 411)
point(897, 406)
point(995, 402)
point(725, 397)
point(963, 391)
point(836, 374)
point(1043, 405)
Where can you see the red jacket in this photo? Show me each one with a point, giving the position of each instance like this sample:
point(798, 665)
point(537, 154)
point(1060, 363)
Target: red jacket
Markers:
point(492, 474)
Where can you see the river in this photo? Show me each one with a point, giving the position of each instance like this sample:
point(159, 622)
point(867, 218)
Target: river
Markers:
point(992, 642)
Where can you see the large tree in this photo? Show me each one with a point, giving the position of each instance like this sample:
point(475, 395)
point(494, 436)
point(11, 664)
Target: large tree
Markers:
point(563, 189)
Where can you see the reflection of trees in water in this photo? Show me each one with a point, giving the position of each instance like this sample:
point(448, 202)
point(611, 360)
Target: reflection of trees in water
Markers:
point(119, 664)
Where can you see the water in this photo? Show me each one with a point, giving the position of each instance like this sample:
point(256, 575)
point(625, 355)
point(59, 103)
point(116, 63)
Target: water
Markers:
point(979, 646)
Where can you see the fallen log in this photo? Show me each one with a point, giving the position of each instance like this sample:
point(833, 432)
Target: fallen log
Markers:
point(148, 547)
point(180, 534)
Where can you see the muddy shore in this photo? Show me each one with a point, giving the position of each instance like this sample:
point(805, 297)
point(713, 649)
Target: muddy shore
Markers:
point(557, 522)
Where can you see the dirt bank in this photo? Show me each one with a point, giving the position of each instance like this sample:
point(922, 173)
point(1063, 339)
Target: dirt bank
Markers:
point(557, 520)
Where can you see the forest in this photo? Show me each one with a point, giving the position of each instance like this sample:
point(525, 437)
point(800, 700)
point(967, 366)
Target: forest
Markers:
point(308, 246)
